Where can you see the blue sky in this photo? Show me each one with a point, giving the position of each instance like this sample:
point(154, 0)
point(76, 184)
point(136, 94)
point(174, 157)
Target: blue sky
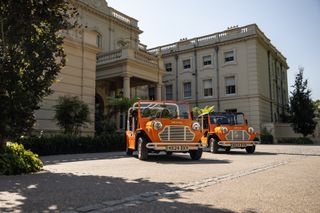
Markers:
point(293, 26)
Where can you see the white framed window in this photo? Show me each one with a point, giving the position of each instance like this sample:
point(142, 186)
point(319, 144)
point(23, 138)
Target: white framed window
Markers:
point(169, 92)
point(230, 85)
point(187, 89)
point(207, 88)
point(206, 60)
point(186, 64)
point(99, 40)
point(229, 56)
point(168, 67)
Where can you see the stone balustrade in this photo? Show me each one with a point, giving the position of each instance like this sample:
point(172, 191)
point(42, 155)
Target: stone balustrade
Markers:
point(230, 34)
point(127, 54)
point(124, 18)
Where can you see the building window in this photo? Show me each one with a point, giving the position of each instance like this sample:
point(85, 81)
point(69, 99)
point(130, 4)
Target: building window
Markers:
point(99, 41)
point(229, 56)
point(152, 94)
point(187, 90)
point(168, 67)
point(207, 60)
point(169, 92)
point(207, 88)
point(230, 85)
point(186, 64)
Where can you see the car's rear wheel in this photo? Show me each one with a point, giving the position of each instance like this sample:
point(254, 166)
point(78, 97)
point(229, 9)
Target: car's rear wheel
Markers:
point(227, 149)
point(142, 149)
point(195, 154)
point(250, 149)
point(213, 145)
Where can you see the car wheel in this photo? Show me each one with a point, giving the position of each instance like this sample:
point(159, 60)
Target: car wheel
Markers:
point(142, 149)
point(227, 149)
point(195, 154)
point(213, 145)
point(168, 153)
point(250, 149)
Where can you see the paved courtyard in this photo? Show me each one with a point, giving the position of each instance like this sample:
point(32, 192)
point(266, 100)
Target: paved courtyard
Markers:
point(277, 178)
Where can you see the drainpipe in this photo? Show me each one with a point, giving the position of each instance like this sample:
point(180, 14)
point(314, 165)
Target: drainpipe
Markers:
point(270, 87)
point(177, 77)
point(196, 71)
point(218, 80)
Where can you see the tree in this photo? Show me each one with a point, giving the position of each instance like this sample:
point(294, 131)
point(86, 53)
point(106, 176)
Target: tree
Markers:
point(71, 114)
point(317, 108)
point(31, 56)
point(206, 109)
point(301, 106)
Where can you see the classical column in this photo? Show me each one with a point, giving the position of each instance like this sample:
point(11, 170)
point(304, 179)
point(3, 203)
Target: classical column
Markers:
point(159, 92)
point(126, 86)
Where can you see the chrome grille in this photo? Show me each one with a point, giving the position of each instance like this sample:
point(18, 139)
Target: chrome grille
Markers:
point(238, 135)
point(176, 133)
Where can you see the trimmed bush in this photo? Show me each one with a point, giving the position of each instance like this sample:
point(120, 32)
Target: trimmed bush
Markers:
point(16, 160)
point(301, 140)
point(266, 137)
point(68, 144)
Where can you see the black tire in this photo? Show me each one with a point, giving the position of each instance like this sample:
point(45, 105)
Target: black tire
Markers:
point(227, 149)
point(195, 154)
point(250, 149)
point(168, 153)
point(142, 149)
point(213, 145)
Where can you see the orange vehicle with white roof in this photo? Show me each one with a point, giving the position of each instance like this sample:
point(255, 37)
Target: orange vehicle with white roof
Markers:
point(228, 131)
point(155, 126)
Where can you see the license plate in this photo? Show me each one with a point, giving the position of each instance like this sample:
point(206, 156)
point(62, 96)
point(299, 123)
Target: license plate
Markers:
point(238, 145)
point(177, 148)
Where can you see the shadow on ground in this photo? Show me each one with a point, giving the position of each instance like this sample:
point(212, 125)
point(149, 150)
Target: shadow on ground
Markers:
point(56, 192)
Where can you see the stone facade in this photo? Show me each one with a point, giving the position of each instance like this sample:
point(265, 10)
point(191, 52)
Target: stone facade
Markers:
point(234, 70)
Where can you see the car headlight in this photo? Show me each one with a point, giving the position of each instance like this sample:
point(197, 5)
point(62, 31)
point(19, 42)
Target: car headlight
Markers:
point(251, 130)
point(224, 130)
point(157, 125)
point(196, 126)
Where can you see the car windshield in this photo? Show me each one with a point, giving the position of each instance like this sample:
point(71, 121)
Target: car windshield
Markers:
point(164, 110)
point(227, 118)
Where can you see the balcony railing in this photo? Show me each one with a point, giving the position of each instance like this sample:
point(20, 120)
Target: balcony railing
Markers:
point(230, 34)
point(124, 18)
point(127, 54)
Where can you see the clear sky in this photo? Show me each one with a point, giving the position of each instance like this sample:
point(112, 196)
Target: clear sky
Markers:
point(293, 26)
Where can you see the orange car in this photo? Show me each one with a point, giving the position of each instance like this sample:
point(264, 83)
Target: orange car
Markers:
point(155, 126)
point(228, 131)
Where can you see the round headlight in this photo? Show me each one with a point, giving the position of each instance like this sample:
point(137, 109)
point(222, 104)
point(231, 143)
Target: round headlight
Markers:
point(224, 130)
point(157, 125)
point(251, 130)
point(196, 126)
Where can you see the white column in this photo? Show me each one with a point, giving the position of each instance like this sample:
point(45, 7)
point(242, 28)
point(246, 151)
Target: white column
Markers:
point(126, 86)
point(158, 92)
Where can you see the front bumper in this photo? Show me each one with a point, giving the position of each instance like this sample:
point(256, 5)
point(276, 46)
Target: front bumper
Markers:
point(174, 147)
point(237, 144)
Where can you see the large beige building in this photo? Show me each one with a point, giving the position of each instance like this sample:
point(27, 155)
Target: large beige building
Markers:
point(235, 70)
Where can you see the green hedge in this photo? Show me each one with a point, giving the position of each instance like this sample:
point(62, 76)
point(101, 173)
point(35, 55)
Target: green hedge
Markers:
point(296, 141)
point(64, 144)
point(14, 160)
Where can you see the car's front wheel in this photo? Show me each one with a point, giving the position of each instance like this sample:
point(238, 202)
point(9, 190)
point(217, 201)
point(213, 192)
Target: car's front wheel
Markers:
point(213, 145)
point(195, 154)
point(250, 149)
point(142, 149)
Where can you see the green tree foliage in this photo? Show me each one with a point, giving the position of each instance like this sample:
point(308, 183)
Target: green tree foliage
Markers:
point(301, 106)
point(16, 160)
point(317, 108)
point(31, 56)
point(206, 109)
point(71, 114)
